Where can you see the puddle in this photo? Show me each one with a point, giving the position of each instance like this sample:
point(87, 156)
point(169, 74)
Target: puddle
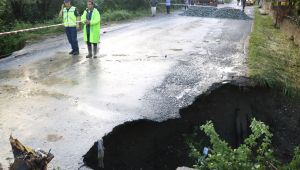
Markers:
point(58, 80)
point(8, 89)
point(41, 92)
point(8, 74)
point(154, 56)
point(54, 137)
point(176, 49)
point(119, 55)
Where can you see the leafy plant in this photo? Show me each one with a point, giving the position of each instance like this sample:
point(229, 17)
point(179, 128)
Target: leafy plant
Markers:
point(255, 153)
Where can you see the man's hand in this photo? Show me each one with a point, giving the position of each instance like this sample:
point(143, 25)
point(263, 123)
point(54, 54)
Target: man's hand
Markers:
point(87, 22)
point(62, 6)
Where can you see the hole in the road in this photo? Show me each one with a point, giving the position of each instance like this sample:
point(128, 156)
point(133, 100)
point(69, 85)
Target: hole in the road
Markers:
point(144, 144)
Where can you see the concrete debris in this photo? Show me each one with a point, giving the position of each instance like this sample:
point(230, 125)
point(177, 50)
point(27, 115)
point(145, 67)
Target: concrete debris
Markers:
point(200, 11)
point(214, 12)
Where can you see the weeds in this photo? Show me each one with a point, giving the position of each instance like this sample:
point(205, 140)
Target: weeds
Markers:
point(255, 153)
point(273, 60)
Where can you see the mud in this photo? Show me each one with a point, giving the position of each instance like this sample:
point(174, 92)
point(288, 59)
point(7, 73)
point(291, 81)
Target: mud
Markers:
point(145, 144)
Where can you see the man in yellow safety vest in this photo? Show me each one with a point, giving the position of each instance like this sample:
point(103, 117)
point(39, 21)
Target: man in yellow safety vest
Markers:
point(71, 19)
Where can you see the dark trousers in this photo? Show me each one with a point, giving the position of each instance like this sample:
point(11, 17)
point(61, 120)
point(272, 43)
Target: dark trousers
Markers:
point(72, 38)
point(89, 44)
point(168, 9)
point(244, 4)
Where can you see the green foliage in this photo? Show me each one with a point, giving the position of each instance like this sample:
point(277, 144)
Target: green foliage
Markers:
point(224, 157)
point(116, 15)
point(255, 153)
point(295, 163)
point(195, 143)
point(273, 59)
point(13, 42)
point(295, 6)
point(227, 1)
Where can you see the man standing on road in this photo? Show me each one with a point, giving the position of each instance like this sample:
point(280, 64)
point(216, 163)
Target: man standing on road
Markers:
point(153, 4)
point(186, 4)
point(168, 6)
point(70, 16)
point(244, 5)
point(91, 19)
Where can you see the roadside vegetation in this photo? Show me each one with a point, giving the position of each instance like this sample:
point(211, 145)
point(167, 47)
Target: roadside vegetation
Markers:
point(273, 60)
point(227, 1)
point(254, 153)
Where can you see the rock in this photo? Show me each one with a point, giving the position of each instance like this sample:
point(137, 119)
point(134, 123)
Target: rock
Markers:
point(200, 11)
point(214, 12)
point(231, 13)
point(262, 12)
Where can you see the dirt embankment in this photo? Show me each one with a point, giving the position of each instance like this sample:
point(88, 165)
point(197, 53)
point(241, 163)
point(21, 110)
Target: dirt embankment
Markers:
point(144, 144)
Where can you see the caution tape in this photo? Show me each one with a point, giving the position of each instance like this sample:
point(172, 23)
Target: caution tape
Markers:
point(56, 25)
point(172, 4)
point(184, 5)
point(179, 4)
point(32, 29)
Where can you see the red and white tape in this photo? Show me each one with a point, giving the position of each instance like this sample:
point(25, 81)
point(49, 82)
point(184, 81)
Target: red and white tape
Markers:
point(30, 29)
point(181, 4)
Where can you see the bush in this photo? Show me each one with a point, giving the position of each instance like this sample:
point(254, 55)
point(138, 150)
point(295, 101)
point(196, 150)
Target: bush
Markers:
point(227, 1)
point(255, 153)
point(13, 42)
point(116, 15)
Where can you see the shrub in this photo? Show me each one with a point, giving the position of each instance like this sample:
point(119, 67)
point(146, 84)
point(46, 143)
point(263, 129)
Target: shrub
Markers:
point(255, 153)
point(116, 15)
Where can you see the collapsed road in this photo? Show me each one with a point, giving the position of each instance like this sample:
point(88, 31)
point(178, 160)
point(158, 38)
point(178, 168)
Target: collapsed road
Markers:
point(148, 69)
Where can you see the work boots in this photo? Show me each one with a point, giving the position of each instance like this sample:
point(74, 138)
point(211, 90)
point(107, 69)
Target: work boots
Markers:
point(90, 51)
point(95, 50)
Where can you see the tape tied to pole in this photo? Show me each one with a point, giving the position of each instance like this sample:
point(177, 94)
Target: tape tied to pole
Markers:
point(32, 29)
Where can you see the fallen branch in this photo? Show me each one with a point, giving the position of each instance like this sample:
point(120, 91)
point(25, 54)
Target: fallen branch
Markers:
point(27, 158)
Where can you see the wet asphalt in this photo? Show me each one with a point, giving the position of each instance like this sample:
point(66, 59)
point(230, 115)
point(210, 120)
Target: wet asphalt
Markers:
point(147, 68)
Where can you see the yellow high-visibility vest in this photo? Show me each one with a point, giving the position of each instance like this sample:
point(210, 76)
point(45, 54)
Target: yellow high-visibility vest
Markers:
point(69, 17)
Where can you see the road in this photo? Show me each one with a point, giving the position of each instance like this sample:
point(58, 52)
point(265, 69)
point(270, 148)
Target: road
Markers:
point(148, 68)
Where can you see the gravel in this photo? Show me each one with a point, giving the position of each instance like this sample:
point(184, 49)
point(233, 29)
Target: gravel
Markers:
point(214, 12)
point(200, 11)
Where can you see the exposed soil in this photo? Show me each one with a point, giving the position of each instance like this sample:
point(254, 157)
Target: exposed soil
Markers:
point(144, 144)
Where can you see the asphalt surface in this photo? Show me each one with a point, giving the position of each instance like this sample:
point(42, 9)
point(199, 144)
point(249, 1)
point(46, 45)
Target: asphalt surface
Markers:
point(148, 68)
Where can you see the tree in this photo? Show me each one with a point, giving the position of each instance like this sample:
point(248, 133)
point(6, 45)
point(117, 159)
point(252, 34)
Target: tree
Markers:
point(43, 6)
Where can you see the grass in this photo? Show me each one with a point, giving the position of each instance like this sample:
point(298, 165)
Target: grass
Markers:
point(13, 42)
point(227, 1)
point(122, 15)
point(273, 60)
